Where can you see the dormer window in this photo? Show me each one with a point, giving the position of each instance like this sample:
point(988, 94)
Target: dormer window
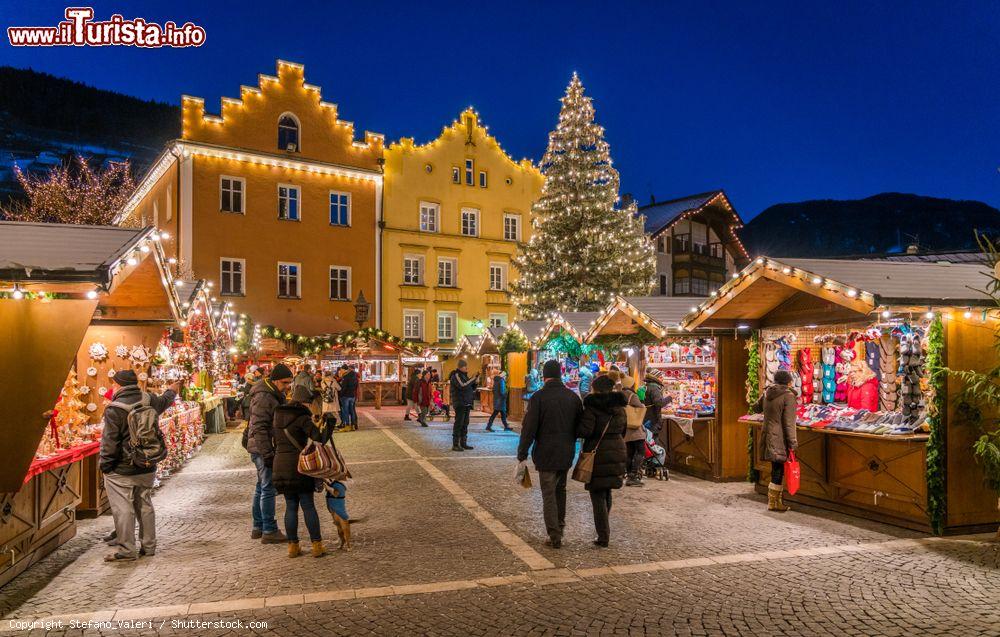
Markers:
point(288, 133)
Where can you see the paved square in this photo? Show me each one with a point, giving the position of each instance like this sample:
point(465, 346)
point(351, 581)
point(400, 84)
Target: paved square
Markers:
point(449, 545)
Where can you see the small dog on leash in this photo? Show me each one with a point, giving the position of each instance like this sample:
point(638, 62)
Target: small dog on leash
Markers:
point(336, 502)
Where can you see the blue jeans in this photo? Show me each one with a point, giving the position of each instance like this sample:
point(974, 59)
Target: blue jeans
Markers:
point(348, 412)
point(263, 497)
point(294, 501)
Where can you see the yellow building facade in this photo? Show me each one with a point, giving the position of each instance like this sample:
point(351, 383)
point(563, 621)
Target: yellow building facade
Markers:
point(275, 202)
point(454, 213)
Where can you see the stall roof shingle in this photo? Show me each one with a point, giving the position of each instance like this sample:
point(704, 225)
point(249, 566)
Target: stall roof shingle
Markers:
point(56, 252)
point(902, 282)
point(532, 329)
point(666, 311)
point(580, 321)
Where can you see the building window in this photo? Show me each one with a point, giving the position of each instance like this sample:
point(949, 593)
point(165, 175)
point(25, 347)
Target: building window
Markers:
point(470, 172)
point(340, 283)
point(429, 215)
point(456, 175)
point(482, 178)
point(511, 227)
point(231, 276)
point(231, 191)
point(661, 245)
point(682, 285)
point(413, 270)
point(288, 202)
point(340, 208)
point(446, 326)
point(446, 273)
point(498, 276)
point(663, 285)
point(470, 222)
point(699, 287)
point(288, 133)
point(413, 325)
point(288, 280)
point(498, 320)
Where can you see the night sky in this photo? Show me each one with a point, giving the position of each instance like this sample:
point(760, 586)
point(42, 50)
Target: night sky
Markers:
point(775, 102)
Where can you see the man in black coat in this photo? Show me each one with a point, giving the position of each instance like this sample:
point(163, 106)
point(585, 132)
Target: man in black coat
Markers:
point(550, 424)
point(463, 394)
point(129, 488)
point(349, 398)
point(265, 397)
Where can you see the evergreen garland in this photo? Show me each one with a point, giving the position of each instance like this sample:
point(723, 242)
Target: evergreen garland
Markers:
point(937, 505)
point(511, 341)
point(753, 395)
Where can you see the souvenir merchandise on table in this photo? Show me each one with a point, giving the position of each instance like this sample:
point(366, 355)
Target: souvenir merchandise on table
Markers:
point(688, 368)
point(861, 384)
point(570, 368)
point(70, 424)
point(183, 431)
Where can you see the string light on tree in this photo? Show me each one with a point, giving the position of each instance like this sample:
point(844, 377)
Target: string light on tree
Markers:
point(583, 250)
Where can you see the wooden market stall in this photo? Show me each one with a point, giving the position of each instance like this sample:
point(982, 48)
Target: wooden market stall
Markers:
point(859, 337)
point(703, 371)
point(85, 299)
point(489, 365)
point(522, 371)
point(562, 339)
point(378, 359)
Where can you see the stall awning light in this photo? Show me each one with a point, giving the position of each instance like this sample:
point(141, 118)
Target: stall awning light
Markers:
point(92, 294)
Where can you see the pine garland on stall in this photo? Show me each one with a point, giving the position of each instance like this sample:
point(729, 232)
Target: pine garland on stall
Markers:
point(937, 505)
point(753, 395)
point(583, 250)
point(511, 341)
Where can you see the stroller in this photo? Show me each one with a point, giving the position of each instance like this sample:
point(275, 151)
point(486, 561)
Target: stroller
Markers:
point(438, 406)
point(654, 465)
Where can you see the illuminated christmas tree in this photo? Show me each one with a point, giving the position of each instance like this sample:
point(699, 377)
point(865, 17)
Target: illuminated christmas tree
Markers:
point(583, 250)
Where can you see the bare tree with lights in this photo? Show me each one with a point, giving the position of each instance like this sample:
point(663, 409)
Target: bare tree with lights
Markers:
point(583, 250)
point(74, 193)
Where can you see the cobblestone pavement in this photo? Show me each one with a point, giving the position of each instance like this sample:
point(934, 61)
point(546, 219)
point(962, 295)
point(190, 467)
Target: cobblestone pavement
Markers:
point(450, 546)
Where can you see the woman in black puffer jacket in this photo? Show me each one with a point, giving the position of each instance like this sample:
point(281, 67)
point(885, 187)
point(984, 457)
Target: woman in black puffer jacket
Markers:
point(294, 420)
point(604, 408)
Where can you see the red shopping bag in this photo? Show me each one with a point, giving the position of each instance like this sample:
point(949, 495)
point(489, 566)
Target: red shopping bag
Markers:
point(793, 473)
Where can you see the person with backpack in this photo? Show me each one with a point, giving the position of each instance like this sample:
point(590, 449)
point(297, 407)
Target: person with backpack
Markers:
point(131, 446)
point(265, 397)
point(331, 398)
point(655, 400)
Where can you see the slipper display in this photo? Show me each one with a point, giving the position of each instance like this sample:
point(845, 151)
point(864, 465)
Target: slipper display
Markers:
point(806, 375)
point(887, 362)
point(829, 374)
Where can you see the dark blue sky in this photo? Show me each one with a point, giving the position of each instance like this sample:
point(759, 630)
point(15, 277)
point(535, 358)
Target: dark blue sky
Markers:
point(776, 101)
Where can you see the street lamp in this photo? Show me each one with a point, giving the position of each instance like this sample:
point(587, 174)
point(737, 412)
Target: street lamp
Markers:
point(362, 308)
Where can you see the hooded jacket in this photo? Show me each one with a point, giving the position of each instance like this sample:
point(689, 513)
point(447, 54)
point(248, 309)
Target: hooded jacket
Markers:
point(655, 400)
point(264, 400)
point(550, 424)
point(296, 419)
point(602, 410)
point(500, 393)
point(113, 456)
point(778, 432)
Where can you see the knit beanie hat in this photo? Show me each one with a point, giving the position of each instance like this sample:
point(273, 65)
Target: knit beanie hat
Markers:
point(603, 384)
point(552, 369)
point(280, 372)
point(126, 377)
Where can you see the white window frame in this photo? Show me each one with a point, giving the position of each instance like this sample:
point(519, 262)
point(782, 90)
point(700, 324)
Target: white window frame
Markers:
point(243, 194)
point(454, 272)
point(483, 179)
point(433, 222)
point(298, 131)
point(298, 201)
point(222, 276)
point(470, 172)
point(456, 174)
point(419, 315)
point(349, 293)
point(453, 316)
point(503, 276)
point(298, 279)
point(349, 208)
point(419, 258)
point(474, 212)
point(516, 218)
point(498, 319)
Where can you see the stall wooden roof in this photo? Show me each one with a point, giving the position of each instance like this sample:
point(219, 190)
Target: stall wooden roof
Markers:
point(838, 289)
point(656, 314)
point(532, 330)
point(469, 344)
point(577, 324)
point(490, 341)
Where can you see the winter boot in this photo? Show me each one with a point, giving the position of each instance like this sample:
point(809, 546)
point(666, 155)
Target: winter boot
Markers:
point(774, 502)
point(465, 443)
point(294, 550)
point(318, 549)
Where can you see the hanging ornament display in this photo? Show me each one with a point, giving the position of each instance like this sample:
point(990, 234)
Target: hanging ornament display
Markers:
point(121, 351)
point(91, 371)
point(98, 352)
point(139, 355)
point(91, 407)
point(111, 373)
